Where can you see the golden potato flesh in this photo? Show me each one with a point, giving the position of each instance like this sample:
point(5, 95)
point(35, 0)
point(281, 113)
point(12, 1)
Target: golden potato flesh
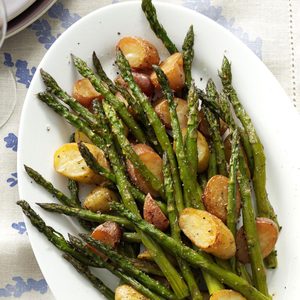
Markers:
point(207, 232)
point(152, 161)
point(69, 163)
point(126, 292)
point(84, 92)
point(81, 137)
point(140, 53)
point(267, 232)
point(162, 110)
point(215, 197)
point(226, 295)
point(99, 199)
point(173, 69)
point(203, 151)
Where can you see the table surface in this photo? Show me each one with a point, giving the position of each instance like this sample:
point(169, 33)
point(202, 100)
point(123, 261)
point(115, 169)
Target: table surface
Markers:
point(270, 28)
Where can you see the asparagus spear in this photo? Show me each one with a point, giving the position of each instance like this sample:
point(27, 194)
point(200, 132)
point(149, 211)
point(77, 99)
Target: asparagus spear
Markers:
point(96, 282)
point(85, 214)
point(119, 106)
point(257, 266)
point(129, 153)
point(212, 165)
point(175, 231)
point(194, 258)
point(51, 234)
point(192, 127)
point(131, 237)
point(191, 196)
point(156, 124)
point(188, 55)
point(127, 266)
point(178, 285)
point(150, 13)
point(80, 247)
point(231, 206)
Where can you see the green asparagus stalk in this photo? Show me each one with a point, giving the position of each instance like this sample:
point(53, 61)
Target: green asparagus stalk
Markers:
point(80, 247)
point(194, 258)
point(188, 55)
point(146, 266)
point(51, 234)
point(191, 196)
point(212, 164)
point(232, 188)
point(150, 13)
point(85, 214)
point(131, 237)
point(129, 268)
point(119, 106)
point(156, 124)
point(175, 231)
point(129, 153)
point(96, 282)
point(256, 260)
point(192, 127)
point(178, 285)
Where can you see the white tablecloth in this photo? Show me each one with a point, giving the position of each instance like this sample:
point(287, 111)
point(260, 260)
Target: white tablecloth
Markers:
point(271, 28)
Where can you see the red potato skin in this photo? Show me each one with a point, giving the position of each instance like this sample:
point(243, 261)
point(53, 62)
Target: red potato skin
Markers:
point(267, 239)
point(153, 214)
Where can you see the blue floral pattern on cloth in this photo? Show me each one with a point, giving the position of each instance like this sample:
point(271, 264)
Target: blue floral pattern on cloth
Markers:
point(20, 227)
point(11, 141)
point(206, 8)
point(13, 180)
point(21, 286)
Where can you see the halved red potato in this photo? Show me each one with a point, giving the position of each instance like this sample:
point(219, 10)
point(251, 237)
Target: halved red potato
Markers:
point(203, 124)
point(69, 162)
point(99, 199)
point(267, 231)
point(215, 197)
point(207, 232)
point(153, 162)
point(173, 69)
point(162, 110)
point(203, 150)
point(84, 92)
point(153, 214)
point(223, 127)
point(140, 53)
point(226, 295)
point(126, 292)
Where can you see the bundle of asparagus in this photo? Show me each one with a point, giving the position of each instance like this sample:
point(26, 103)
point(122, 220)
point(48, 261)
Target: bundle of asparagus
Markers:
point(166, 179)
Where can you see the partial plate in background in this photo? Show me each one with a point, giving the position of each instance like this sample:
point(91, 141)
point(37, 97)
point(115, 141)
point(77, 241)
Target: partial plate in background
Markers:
point(16, 7)
point(37, 9)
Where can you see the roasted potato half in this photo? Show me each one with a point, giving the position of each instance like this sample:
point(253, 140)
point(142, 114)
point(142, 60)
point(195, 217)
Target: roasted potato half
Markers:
point(226, 295)
point(267, 231)
point(140, 53)
point(69, 162)
point(153, 162)
point(215, 197)
point(81, 137)
point(126, 292)
point(203, 151)
point(84, 92)
point(173, 69)
point(153, 214)
point(99, 199)
point(145, 255)
point(162, 110)
point(207, 232)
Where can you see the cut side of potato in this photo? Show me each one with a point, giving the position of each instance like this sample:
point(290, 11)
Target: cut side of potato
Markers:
point(126, 292)
point(162, 110)
point(81, 137)
point(203, 124)
point(99, 199)
point(267, 231)
point(153, 162)
point(203, 150)
point(153, 214)
point(145, 255)
point(215, 197)
point(173, 69)
point(140, 53)
point(69, 163)
point(84, 92)
point(207, 232)
point(226, 295)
